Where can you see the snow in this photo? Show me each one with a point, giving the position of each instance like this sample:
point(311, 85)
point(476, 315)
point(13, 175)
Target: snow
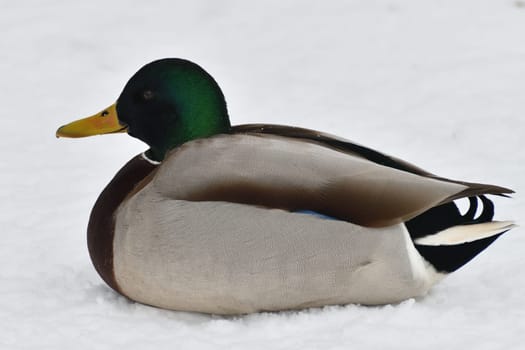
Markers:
point(438, 83)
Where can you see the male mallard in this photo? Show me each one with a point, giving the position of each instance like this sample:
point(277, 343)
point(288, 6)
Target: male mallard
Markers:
point(221, 219)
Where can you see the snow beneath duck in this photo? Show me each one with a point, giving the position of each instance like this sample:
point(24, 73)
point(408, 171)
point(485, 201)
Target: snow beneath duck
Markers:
point(439, 83)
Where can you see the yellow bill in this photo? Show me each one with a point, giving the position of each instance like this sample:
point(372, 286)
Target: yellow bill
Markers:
point(105, 122)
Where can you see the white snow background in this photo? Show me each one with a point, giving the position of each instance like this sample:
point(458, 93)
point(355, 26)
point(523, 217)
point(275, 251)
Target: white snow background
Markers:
point(438, 83)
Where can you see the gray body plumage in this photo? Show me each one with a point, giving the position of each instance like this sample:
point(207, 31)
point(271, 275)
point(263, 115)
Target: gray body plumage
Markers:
point(230, 258)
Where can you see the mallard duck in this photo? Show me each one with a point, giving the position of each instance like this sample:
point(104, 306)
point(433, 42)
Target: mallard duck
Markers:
point(225, 219)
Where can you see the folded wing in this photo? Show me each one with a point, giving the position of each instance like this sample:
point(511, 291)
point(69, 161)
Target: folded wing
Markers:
point(297, 173)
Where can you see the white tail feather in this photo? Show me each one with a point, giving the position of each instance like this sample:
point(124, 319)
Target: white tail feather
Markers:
point(465, 233)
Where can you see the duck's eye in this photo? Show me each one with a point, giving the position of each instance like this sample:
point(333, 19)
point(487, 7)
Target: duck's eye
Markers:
point(147, 95)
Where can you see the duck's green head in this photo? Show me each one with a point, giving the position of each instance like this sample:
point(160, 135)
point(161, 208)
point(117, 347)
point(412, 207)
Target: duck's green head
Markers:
point(165, 104)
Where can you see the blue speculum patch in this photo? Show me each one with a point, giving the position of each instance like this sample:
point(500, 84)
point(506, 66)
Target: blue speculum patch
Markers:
point(316, 214)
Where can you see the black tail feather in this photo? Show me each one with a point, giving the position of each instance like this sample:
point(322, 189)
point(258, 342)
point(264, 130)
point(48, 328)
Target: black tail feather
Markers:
point(473, 207)
point(448, 258)
point(447, 215)
point(488, 210)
